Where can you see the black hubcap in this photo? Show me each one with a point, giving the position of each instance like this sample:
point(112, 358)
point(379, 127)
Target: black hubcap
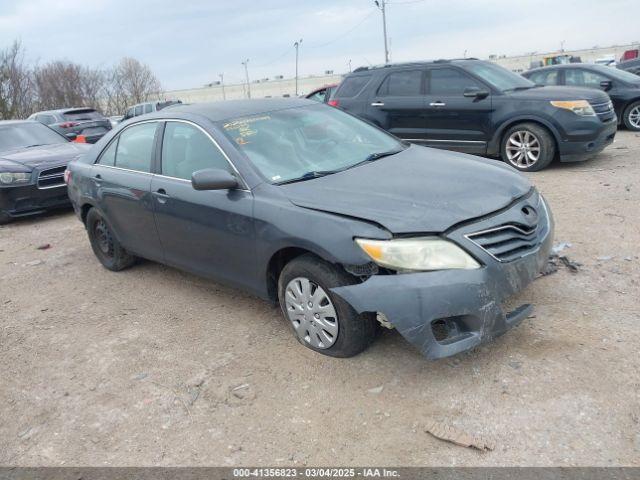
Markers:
point(103, 237)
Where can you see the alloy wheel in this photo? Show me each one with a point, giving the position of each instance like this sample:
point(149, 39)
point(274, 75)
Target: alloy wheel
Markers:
point(311, 312)
point(523, 148)
point(634, 117)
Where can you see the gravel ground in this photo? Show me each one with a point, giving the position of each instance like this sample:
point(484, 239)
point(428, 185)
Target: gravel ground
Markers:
point(152, 366)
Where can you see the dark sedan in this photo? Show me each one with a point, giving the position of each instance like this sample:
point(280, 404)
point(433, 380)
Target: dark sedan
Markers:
point(33, 159)
point(343, 224)
point(623, 87)
point(73, 122)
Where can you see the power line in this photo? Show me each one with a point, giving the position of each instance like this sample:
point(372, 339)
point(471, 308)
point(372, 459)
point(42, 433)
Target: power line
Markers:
point(341, 36)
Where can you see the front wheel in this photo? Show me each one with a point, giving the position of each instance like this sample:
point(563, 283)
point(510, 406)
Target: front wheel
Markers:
point(631, 117)
point(528, 147)
point(105, 245)
point(321, 320)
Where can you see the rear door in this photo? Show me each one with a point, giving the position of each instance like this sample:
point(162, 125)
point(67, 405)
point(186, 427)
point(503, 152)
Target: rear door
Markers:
point(122, 179)
point(207, 232)
point(398, 105)
point(453, 121)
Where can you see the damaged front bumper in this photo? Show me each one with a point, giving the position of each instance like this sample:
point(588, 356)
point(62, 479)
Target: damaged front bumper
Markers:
point(449, 311)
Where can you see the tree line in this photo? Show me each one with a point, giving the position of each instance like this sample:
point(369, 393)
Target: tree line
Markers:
point(25, 88)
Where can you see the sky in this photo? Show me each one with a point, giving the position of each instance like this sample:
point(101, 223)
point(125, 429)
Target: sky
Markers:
point(188, 43)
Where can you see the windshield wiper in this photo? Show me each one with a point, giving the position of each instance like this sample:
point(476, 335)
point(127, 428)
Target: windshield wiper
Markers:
point(308, 176)
point(515, 89)
point(35, 145)
point(375, 156)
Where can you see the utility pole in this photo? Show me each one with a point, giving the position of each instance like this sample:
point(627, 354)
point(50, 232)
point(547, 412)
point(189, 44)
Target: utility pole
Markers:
point(382, 6)
point(349, 65)
point(297, 45)
point(246, 76)
point(221, 75)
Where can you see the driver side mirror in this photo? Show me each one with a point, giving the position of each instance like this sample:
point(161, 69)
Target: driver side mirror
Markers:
point(474, 92)
point(213, 179)
point(606, 85)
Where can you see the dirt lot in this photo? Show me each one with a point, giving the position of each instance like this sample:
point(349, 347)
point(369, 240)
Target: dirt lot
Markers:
point(152, 366)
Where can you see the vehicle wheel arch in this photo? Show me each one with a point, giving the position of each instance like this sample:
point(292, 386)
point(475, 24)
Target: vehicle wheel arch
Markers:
point(280, 258)
point(496, 142)
point(626, 109)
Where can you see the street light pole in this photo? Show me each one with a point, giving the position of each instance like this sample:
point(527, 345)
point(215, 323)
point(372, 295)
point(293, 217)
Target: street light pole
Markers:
point(382, 6)
point(297, 45)
point(221, 75)
point(246, 76)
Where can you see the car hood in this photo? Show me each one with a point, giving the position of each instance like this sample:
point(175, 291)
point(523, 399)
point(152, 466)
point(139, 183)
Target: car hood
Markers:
point(44, 155)
point(419, 190)
point(561, 93)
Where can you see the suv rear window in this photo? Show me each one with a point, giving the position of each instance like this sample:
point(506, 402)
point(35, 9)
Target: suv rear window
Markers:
point(352, 86)
point(86, 114)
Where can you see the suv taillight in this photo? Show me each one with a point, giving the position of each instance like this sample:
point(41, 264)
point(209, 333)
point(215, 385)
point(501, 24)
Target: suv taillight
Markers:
point(68, 124)
point(333, 103)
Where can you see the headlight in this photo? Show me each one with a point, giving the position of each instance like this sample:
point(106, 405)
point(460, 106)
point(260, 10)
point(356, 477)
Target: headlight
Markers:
point(579, 107)
point(416, 254)
point(10, 178)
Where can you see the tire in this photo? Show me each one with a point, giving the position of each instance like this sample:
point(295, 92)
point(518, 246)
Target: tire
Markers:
point(631, 117)
point(105, 245)
point(5, 218)
point(348, 334)
point(539, 144)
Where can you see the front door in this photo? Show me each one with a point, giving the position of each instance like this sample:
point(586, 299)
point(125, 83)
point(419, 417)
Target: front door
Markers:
point(122, 179)
point(453, 121)
point(206, 232)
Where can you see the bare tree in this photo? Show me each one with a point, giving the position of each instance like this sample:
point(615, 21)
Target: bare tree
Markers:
point(16, 92)
point(65, 84)
point(131, 82)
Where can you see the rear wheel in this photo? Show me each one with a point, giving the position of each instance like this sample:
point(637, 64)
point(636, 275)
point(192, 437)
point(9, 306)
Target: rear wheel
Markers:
point(4, 218)
point(105, 245)
point(321, 320)
point(528, 147)
point(631, 117)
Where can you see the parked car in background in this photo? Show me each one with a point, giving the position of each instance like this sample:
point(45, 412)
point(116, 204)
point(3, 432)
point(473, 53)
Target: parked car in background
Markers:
point(72, 122)
point(148, 107)
point(115, 120)
point(479, 107)
point(343, 224)
point(33, 159)
point(631, 66)
point(622, 87)
point(322, 94)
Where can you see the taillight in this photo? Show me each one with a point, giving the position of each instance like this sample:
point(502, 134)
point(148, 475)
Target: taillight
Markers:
point(67, 176)
point(68, 124)
point(333, 103)
point(80, 139)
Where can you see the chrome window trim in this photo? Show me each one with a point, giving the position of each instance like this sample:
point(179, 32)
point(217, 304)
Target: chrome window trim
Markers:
point(436, 140)
point(164, 120)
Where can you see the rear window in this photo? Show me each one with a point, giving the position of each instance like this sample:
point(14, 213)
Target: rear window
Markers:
point(87, 114)
point(352, 86)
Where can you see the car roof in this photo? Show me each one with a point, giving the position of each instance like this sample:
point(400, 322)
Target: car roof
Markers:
point(223, 110)
point(64, 110)
point(420, 63)
point(565, 65)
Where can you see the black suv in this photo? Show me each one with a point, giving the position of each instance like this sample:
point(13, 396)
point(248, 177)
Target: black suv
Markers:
point(73, 122)
point(479, 107)
point(623, 87)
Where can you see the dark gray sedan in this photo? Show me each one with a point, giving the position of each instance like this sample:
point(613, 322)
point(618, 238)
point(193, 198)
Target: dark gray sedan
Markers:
point(344, 225)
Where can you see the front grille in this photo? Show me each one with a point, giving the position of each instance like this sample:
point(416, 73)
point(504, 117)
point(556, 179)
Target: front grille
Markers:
point(52, 177)
point(508, 242)
point(604, 110)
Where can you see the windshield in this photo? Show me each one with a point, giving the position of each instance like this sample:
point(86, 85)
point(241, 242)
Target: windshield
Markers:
point(499, 77)
point(28, 134)
point(307, 142)
point(618, 74)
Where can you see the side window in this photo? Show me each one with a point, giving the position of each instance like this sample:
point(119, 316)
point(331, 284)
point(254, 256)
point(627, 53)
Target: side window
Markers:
point(186, 149)
point(449, 81)
point(135, 147)
point(108, 157)
point(318, 96)
point(129, 113)
point(352, 86)
point(545, 78)
point(138, 110)
point(402, 84)
point(593, 79)
point(148, 108)
point(583, 78)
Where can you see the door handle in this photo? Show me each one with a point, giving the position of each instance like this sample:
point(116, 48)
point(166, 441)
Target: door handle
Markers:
point(377, 104)
point(437, 104)
point(97, 178)
point(161, 195)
